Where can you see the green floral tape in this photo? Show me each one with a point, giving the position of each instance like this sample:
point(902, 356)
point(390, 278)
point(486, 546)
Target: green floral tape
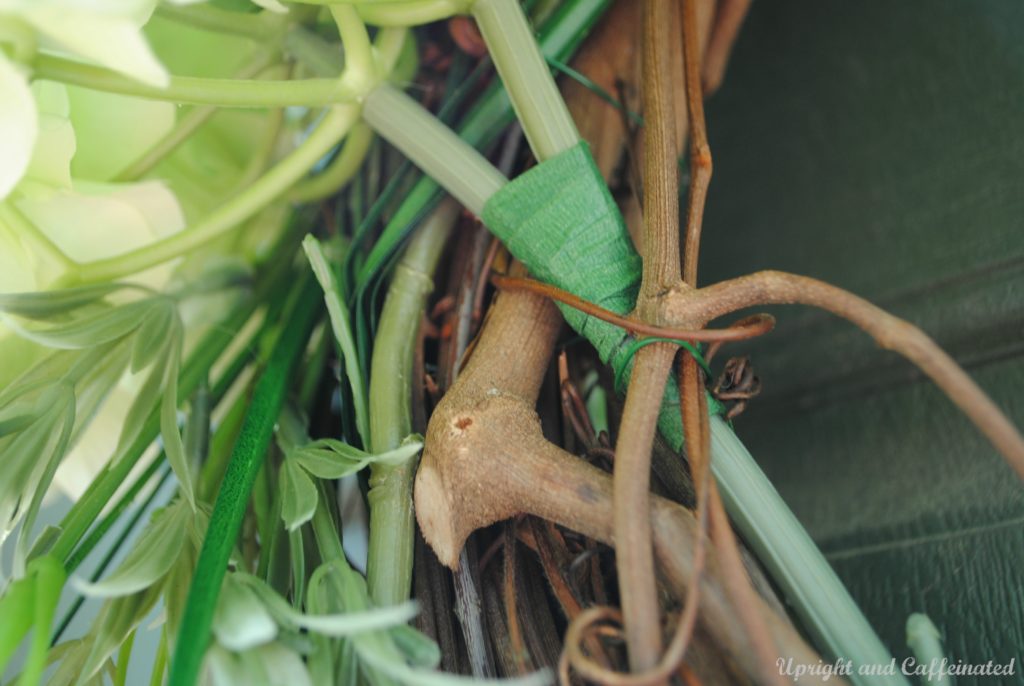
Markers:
point(561, 222)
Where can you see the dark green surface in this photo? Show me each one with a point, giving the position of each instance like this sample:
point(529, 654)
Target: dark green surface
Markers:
point(880, 146)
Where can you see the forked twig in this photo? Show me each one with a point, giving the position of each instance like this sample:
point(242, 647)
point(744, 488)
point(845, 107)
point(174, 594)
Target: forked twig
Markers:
point(749, 327)
point(890, 332)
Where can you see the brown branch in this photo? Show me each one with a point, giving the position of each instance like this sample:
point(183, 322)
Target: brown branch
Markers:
point(486, 460)
point(891, 333)
point(661, 177)
point(749, 327)
point(700, 152)
point(634, 553)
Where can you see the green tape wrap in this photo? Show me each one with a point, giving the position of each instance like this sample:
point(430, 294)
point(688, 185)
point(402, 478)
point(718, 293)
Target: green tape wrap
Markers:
point(561, 222)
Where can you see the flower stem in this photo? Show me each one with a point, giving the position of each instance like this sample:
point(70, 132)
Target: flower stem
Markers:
point(261, 193)
point(433, 147)
point(407, 13)
point(259, 27)
point(199, 90)
point(187, 125)
point(392, 526)
point(539, 106)
point(341, 169)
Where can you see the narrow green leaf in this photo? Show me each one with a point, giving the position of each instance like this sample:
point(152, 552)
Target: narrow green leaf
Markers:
point(333, 459)
point(152, 557)
point(418, 649)
point(117, 619)
point(64, 407)
point(46, 304)
point(298, 495)
point(106, 326)
point(152, 334)
point(344, 624)
point(173, 445)
point(241, 621)
point(29, 456)
point(48, 576)
point(281, 665)
point(341, 327)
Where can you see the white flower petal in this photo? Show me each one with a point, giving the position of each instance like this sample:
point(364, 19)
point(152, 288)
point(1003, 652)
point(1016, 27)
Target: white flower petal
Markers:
point(18, 126)
point(112, 41)
point(114, 130)
point(94, 221)
point(55, 145)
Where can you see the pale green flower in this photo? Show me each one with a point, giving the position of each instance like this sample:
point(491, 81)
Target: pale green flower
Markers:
point(103, 32)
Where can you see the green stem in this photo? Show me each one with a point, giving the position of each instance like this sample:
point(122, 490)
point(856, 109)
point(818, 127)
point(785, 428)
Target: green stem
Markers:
point(263, 149)
point(232, 500)
point(360, 67)
point(261, 193)
point(545, 118)
point(22, 225)
point(808, 583)
point(195, 90)
point(341, 169)
point(259, 27)
point(408, 13)
point(188, 124)
point(392, 525)
point(433, 147)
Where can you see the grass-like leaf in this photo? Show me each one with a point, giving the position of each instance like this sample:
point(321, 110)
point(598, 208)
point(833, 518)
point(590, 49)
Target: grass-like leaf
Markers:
point(340, 325)
point(329, 458)
point(242, 621)
point(48, 304)
point(149, 561)
point(298, 495)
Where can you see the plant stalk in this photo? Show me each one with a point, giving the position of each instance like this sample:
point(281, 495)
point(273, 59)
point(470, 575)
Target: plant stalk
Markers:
point(527, 78)
point(392, 524)
point(335, 124)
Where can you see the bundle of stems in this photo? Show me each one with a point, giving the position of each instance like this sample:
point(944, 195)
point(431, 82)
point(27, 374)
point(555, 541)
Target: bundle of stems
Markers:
point(254, 539)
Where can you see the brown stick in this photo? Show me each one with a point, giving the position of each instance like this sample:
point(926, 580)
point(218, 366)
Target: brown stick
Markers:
point(700, 152)
point(634, 554)
point(486, 460)
point(749, 328)
point(891, 333)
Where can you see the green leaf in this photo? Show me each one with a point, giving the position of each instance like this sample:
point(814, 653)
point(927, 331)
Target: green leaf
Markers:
point(340, 325)
point(241, 621)
point(149, 561)
point(46, 304)
point(152, 334)
point(30, 456)
point(332, 459)
point(63, 404)
point(298, 495)
point(117, 619)
point(418, 649)
point(48, 576)
point(173, 445)
point(109, 325)
point(344, 624)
